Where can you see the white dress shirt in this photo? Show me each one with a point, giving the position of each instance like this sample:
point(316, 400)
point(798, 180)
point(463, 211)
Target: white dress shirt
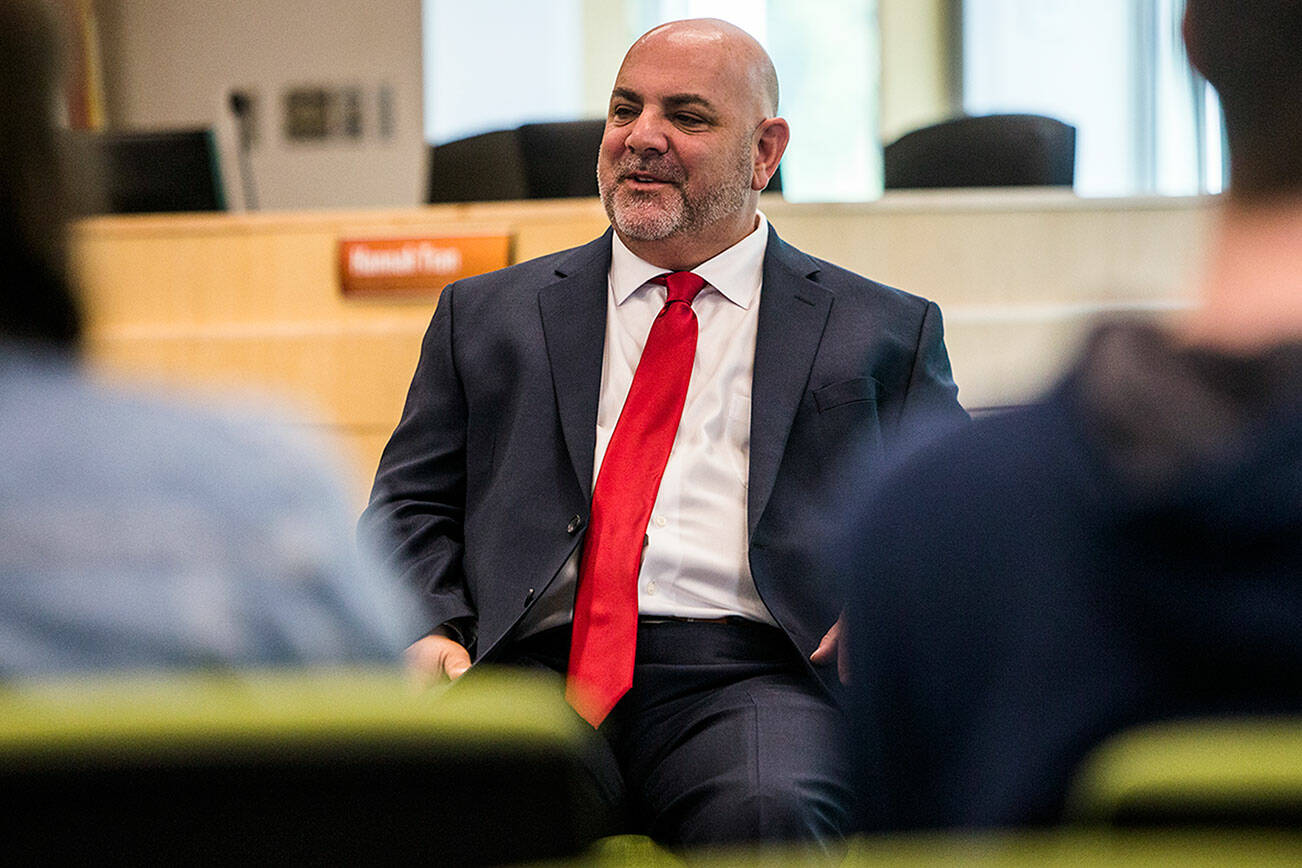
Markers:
point(696, 561)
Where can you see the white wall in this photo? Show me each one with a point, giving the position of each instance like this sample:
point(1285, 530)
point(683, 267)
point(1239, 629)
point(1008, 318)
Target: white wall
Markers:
point(173, 63)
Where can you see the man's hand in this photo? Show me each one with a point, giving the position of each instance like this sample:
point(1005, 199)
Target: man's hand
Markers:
point(436, 659)
point(833, 648)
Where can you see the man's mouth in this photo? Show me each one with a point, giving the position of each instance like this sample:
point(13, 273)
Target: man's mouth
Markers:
point(643, 179)
point(640, 178)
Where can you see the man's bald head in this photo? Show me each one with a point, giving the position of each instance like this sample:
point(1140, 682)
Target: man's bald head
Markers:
point(734, 47)
point(690, 140)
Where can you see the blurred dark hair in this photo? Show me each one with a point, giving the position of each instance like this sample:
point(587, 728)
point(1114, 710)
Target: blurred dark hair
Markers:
point(1251, 52)
point(36, 298)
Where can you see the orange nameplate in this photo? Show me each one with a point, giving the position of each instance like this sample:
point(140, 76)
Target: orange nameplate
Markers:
point(417, 265)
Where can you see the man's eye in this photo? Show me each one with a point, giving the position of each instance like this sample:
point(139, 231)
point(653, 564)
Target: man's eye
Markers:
point(689, 120)
point(622, 112)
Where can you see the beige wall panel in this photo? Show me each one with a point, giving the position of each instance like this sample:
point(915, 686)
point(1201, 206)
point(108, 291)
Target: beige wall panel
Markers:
point(983, 248)
point(1004, 357)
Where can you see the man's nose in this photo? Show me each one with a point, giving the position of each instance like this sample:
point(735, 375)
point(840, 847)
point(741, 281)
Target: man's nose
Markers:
point(648, 133)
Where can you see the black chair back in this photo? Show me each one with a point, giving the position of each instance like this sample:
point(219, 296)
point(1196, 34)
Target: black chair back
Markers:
point(560, 159)
point(484, 168)
point(555, 160)
point(145, 172)
point(1010, 150)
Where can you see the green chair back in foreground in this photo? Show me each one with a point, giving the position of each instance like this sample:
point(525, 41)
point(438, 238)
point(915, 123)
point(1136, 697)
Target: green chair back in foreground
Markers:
point(295, 766)
point(1242, 771)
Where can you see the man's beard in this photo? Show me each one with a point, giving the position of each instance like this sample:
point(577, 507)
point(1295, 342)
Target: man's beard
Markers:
point(656, 215)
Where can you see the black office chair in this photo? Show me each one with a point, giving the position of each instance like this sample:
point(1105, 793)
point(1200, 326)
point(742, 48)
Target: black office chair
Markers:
point(554, 160)
point(560, 158)
point(484, 168)
point(534, 161)
point(144, 172)
point(1012, 150)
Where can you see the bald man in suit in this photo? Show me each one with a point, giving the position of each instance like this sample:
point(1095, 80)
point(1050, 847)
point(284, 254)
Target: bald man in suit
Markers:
point(804, 377)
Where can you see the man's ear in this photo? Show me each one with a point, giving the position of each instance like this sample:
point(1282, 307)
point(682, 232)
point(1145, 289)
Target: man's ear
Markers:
point(771, 139)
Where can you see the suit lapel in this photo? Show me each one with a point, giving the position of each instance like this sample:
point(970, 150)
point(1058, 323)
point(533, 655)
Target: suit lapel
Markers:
point(793, 311)
point(574, 327)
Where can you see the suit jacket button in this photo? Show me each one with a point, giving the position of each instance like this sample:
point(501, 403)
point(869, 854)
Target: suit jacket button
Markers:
point(573, 527)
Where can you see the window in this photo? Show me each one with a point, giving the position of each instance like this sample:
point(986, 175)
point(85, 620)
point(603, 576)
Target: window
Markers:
point(1146, 123)
point(496, 64)
point(486, 68)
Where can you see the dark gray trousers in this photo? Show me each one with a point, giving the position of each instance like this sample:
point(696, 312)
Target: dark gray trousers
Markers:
point(725, 737)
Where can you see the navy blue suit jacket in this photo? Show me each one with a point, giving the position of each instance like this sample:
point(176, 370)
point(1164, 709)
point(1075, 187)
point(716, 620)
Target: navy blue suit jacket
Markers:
point(485, 485)
point(1059, 600)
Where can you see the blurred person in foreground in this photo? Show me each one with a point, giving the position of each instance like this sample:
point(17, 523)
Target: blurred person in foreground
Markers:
point(136, 532)
point(1129, 548)
point(572, 486)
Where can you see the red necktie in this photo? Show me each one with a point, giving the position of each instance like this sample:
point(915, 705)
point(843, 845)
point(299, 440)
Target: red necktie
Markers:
point(604, 640)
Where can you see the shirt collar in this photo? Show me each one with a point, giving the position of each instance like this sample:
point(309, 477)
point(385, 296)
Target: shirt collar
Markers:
point(736, 272)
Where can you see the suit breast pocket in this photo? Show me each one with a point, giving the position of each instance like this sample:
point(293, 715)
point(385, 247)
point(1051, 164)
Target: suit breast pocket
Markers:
point(857, 391)
point(847, 415)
